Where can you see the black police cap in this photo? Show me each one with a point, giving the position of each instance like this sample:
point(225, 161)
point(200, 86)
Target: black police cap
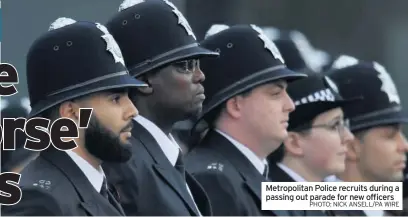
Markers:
point(312, 96)
point(72, 59)
point(293, 45)
point(152, 34)
point(381, 103)
point(247, 59)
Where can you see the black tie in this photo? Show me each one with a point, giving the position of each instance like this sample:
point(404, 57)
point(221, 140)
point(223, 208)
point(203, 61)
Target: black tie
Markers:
point(104, 189)
point(266, 172)
point(180, 165)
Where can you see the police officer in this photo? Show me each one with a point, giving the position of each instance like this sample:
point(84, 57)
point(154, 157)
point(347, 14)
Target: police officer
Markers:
point(318, 123)
point(159, 48)
point(378, 152)
point(77, 65)
point(247, 112)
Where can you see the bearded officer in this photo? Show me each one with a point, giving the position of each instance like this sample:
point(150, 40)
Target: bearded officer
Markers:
point(159, 48)
point(72, 183)
point(247, 113)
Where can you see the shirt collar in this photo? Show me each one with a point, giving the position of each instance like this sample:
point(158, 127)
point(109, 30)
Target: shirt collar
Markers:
point(332, 178)
point(295, 176)
point(250, 155)
point(94, 176)
point(374, 212)
point(167, 143)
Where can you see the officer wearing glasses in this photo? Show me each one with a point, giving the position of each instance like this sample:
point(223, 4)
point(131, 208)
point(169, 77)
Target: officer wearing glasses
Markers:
point(317, 134)
point(160, 49)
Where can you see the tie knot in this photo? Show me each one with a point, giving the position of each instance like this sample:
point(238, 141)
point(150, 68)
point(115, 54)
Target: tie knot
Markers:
point(180, 161)
point(180, 165)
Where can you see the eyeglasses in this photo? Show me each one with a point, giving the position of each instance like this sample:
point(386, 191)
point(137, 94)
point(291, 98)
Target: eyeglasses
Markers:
point(187, 65)
point(341, 126)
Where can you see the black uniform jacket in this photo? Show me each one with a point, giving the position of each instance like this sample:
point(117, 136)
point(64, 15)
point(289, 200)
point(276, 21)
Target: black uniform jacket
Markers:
point(229, 178)
point(149, 185)
point(276, 174)
point(53, 185)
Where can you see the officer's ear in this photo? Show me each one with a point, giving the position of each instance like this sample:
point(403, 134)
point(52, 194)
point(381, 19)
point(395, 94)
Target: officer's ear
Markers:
point(69, 109)
point(293, 145)
point(145, 90)
point(233, 106)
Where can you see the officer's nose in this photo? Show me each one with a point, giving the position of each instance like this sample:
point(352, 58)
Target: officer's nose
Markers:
point(130, 109)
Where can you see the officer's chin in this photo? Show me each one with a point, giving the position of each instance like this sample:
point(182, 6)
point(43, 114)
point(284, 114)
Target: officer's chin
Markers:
point(121, 155)
point(193, 112)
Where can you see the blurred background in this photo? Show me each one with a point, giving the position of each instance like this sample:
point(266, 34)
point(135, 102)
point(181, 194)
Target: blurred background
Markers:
point(367, 29)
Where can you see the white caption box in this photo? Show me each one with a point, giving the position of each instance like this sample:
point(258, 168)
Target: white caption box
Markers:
point(332, 196)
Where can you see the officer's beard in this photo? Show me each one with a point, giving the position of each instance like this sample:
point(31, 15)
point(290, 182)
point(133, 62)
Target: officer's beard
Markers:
point(106, 145)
